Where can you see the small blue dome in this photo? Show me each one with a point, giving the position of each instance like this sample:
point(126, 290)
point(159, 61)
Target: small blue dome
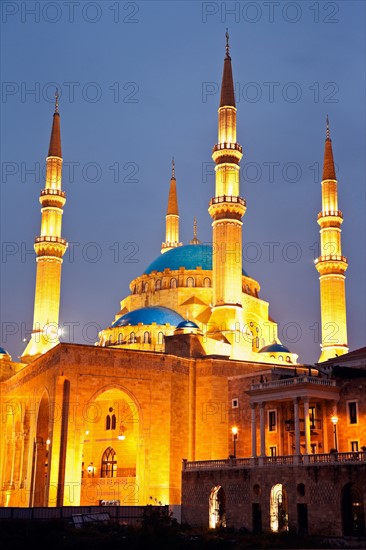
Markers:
point(3, 351)
point(189, 256)
point(277, 348)
point(187, 324)
point(148, 315)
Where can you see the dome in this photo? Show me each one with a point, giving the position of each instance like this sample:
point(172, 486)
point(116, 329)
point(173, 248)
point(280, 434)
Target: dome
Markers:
point(148, 315)
point(187, 324)
point(3, 351)
point(274, 348)
point(189, 256)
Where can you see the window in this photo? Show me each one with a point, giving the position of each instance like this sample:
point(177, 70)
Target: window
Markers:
point(354, 446)
point(132, 338)
point(173, 283)
point(234, 403)
point(110, 422)
point(313, 447)
point(272, 420)
point(352, 412)
point(190, 282)
point(147, 337)
point(206, 282)
point(120, 338)
point(109, 463)
point(160, 338)
point(273, 451)
point(146, 287)
point(158, 284)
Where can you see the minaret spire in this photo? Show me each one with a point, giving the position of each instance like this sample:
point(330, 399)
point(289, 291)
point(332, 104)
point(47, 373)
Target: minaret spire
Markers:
point(227, 209)
point(172, 216)
point(49, 248)
point(195, 239)
point(331, 265)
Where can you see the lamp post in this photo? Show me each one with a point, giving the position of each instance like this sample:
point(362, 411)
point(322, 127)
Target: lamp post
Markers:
point(234, 431)
point(334, 420)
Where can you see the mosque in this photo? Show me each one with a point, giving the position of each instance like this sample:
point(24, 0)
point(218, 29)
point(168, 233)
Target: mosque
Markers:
point(113, 421)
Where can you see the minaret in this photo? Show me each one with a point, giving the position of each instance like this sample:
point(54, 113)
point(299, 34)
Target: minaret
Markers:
point(172, 216)
point(331, 265)
point(227, 209)
point(49, 248)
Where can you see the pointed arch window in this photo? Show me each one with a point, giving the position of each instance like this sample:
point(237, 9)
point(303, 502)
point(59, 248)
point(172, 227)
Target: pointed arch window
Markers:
point(109, 463)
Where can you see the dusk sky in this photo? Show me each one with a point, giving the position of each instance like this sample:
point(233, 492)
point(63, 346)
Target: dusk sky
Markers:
point(139, 83)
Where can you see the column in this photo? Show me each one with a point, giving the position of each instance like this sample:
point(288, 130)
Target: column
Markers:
point(254, 430)
point(307, 425)
point(297, 426)
point(262, 430)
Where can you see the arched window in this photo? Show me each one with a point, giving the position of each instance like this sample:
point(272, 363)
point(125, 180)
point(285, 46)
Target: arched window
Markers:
point(278, 509)
point(160, 338)
point(109, 463)
point(207, 282)
point(132, 338)
point(147, 339)
point(190, 282)
point(158, 284)
point(173, 283)
point(108, 422)
point(146, 287)
point(113, 423)
point(280, 357)
point(120, 338)
point(217, 508)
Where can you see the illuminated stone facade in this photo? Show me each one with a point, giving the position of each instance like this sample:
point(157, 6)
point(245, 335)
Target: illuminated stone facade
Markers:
point(114, 421)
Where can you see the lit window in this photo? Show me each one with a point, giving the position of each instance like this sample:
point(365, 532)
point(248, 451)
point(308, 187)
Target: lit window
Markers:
point(173, 283)
point(206, 282)
point(109, 463)
point(160, 338)
point(190, 282)
point(312, 417)
point(354, 446)
point(273, 451)
point(158, 284)
point(146, 337)
point(235, 403)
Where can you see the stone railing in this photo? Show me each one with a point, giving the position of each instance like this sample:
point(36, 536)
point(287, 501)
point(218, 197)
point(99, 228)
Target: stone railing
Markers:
point(356, 457)
point(293, 381)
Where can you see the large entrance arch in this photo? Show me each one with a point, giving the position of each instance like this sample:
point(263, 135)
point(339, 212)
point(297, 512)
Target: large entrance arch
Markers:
point(217, 508)
point(278, 509)
point(112, 454)
point(353, 518)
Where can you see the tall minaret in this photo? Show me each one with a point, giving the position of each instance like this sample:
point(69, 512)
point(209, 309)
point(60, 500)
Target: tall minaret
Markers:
point(49, 248)
point(227, 209)
point(172, 216)
point(331, 265)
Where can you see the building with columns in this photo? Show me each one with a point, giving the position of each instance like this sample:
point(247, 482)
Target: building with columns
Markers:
point(190, 353)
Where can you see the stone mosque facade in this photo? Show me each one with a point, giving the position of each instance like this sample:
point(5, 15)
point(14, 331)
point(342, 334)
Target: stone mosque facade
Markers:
point(185, 359)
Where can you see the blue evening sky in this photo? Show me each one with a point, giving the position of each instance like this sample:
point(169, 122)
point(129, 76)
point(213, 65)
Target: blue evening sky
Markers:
point(139, 83)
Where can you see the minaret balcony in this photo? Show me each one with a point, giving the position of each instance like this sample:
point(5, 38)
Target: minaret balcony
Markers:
point(52, 197)
point(225, 152)
point(48, 239)
point(331, 264)
point(332, 258)
point(330, 214)
point(227, 198)
point(227, 145)
point(50, 246)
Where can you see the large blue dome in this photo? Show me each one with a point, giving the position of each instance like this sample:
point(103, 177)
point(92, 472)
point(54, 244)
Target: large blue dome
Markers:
point(189, 256)
point(148, 315)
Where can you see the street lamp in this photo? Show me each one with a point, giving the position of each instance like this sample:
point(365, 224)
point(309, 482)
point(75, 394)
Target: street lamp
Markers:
point(234, 431)
point(334, 420)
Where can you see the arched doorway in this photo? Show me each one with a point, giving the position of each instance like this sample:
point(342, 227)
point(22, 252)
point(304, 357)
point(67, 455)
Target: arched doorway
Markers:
point(40, 456)
point(353, 518)
point(112, 450)
point(217, 508)
point(278, 509)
